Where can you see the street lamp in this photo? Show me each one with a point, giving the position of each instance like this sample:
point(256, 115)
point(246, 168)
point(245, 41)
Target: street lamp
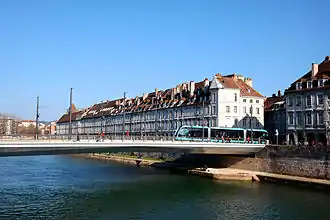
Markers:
point(203, 120)
point(102, 116)
point(37, 118)
point(124, 116)
point(70, 115)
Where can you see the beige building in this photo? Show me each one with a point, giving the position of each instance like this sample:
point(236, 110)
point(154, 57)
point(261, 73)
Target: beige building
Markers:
point(227, 101)
point(8, 125)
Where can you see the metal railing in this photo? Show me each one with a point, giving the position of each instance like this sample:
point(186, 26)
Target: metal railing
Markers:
point(97, 138)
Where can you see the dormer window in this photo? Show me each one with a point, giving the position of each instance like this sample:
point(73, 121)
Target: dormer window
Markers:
point(321, 82)
point(298, 85)
point(309, 84)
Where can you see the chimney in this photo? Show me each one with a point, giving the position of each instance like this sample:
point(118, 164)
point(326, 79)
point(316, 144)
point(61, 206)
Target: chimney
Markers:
point(172, 93)
point(279, 93)
point(327, 58)
point(179, 90)
point(248, 81)
point(144, 96)
point(206, 82)
point(137, 100)
point(315, 68)
point(240, 77)
point(191, 88)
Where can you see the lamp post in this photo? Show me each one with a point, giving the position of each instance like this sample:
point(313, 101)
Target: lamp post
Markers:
point(326, 117)
point(70, 115)
point(123, 134)
point(203, 120)
point(102, 116)
point(37, 118)
point(251, 109)
point(156, 118)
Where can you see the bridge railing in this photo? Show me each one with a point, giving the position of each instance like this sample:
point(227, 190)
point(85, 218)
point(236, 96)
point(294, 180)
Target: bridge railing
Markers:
point(88, 138)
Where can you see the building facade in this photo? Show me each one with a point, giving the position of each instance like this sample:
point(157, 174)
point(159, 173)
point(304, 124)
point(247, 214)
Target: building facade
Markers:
point(227, 101)
point(8, 125)
point(275, 118)
point(306, 106)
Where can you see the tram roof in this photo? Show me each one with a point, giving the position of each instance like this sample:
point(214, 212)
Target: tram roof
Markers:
point(224, 128)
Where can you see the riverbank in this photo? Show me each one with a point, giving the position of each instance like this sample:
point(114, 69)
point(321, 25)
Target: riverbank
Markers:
point(127, 159)
point(247, 175)
point(232, 174)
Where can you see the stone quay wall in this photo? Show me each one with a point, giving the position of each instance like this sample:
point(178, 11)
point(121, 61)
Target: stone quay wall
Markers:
point(303, 161)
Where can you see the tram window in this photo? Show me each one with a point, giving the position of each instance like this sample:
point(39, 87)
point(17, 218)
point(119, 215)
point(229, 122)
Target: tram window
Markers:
point(183, 132)
point(197, 132)
point(257, 134)
point(227, 133)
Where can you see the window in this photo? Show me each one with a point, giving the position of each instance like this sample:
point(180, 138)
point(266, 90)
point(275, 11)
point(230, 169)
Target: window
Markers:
point(213, 97)
point(257, 101)
point(298, 85)
point(309, 118)
point(290, 101)
point(320, 119)
point(299, 118)
point(244, 109)
point(235, 109)
point(227, 109)
point(290, 118)
point(244, 122)
point(298, 101)
point(235, 97)
point(321, 82)
point(251, 101)
point(213, 109)
point(309, 84)
point(309, 100)
point(258, 111)
point(244, 100)
point(320, 99)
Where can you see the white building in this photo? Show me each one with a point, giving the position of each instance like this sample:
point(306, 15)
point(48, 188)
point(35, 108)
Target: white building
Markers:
point(228, 102)
point(27, 123)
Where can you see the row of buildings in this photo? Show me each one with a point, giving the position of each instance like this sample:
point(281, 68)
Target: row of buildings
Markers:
point(225, 100)
point(299, 115)
point(11, 126)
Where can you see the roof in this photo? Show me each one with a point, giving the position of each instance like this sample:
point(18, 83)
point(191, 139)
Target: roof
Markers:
point(271, 101)
point(234, 82)
point(322, 73)
point(74, 115)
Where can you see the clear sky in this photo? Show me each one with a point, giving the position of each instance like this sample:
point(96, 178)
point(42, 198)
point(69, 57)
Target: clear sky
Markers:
point(102, 48)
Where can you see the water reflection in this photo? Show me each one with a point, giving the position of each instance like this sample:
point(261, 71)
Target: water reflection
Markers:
point(58, 187)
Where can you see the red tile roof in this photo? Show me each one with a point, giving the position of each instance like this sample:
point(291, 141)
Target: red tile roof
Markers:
point(270, 101)
point(234, 82)
point(74, 115)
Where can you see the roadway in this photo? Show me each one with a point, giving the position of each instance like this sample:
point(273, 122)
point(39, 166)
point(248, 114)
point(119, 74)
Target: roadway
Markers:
point(56, 147)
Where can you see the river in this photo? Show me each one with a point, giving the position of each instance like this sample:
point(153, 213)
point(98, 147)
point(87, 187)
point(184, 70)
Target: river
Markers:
point(63, 187)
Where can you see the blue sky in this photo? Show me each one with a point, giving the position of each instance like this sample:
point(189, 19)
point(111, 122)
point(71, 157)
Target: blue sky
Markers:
point(102, 48)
